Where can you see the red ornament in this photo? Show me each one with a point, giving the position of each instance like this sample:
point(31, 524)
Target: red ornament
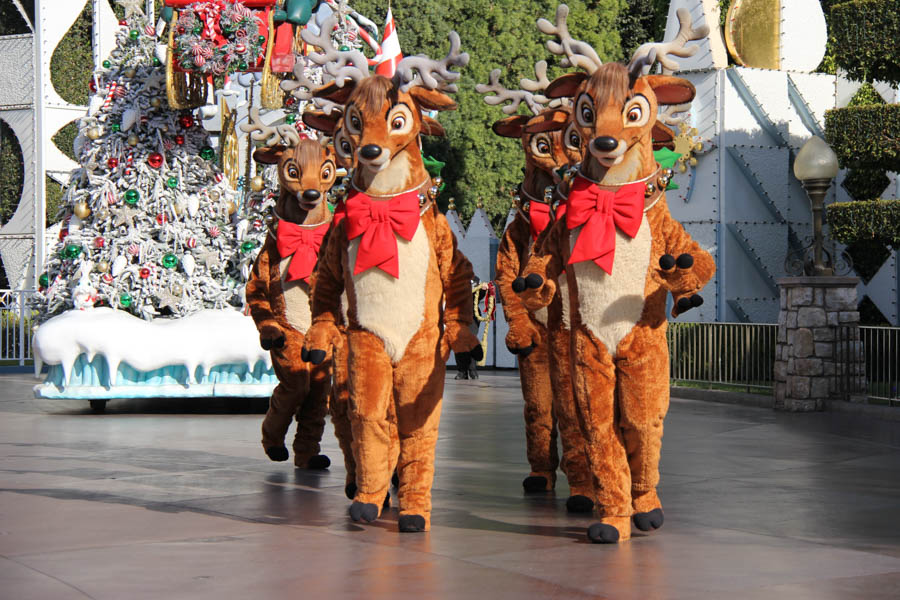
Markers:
point(303, 136)
point(99, 242)
point(187, 121)
point(123, 23)
point(145, 119)
point(219, 177)
point(63, 233)
point(106, 278)
point(179, 139)
point(162, 218)
point(145, 273)
point(155, 160)
point(191, 243)
point(181, 30)
point(113, 162)
point(92, 85)
point(240, 48)
point(290, 101)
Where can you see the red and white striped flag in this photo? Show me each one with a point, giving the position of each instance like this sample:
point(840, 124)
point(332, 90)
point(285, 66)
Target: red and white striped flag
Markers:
point(390, 49)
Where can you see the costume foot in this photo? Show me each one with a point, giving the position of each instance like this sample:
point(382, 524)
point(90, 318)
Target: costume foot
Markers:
point(350, 490)
point(579, 504)
point(649, 521)
point(319, 462)
point(535, 483)
point(277, 453)
point(461, 376)
point(387, 502)
point(411, 523)
point(601, 533)
point(363, 511)
point(395, 480)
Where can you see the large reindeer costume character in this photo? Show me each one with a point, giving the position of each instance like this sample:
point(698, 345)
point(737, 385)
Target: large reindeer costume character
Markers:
point(617, 245)
point(540, 339)
point(408, 290)
point(278, 291)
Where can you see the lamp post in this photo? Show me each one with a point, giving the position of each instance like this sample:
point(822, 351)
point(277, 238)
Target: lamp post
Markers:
point(816, 166)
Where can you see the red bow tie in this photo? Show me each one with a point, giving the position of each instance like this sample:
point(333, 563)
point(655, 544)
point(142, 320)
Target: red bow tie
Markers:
point(301, 243)
point(601, 211)
point(539, 215)
point(377, 222)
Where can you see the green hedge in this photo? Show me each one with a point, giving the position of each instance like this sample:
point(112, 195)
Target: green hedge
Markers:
point(865, 220)
point(865, 34)
point(865, 136)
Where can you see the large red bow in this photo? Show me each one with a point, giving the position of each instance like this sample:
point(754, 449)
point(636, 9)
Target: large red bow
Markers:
point(601, 211)
point(301, 243)
point(377, 222)
point(539, 215)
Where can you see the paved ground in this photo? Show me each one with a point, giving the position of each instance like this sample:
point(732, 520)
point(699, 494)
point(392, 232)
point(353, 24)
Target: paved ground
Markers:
point(172, 500)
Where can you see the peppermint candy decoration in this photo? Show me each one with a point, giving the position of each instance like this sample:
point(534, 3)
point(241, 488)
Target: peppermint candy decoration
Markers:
point(214, 231)
point(121, 91)
point(192, 242)
point(134, 249)
point(150, 30)
point(199, 61)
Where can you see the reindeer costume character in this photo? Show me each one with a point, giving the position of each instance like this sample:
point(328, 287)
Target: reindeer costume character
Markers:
point(617, 245)
point(407, 284)
point(279, 288)
point(540, 339)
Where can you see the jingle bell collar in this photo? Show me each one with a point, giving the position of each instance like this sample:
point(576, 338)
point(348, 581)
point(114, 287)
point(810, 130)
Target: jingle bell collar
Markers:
point(302, 244)
point(377, 221)
point(601, 211)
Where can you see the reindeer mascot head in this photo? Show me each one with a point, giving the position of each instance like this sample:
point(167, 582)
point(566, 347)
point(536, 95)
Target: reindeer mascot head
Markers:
point(617, 247)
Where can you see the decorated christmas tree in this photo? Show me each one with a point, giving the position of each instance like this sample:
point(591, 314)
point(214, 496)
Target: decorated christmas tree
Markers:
point(149, 219)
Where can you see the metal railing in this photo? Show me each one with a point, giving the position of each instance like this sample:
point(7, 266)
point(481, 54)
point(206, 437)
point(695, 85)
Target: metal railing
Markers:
point(724, 355)
point(15, 326)
point(869, 363)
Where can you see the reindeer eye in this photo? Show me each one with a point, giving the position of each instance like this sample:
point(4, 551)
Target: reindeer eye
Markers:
point(345, 147)
point(326, 173)
point(587, 115)
point(543, 147)
point(355, 122)
point(398, 122)
point(635, 114)
point(584, 111)
point(293, 173)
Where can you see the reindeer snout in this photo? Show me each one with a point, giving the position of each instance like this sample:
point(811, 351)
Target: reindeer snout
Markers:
point(311, 195)
point(605, 143)
point(370, 151)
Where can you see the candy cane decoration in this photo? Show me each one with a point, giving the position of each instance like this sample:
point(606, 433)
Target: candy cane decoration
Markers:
point(110, 95)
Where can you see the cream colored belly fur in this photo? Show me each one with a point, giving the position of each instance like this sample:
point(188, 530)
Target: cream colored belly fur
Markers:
point(610, 305)
point(296, 300)
point(394, 308)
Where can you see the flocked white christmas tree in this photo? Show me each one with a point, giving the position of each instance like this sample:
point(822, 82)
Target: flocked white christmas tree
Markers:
point(149, 216)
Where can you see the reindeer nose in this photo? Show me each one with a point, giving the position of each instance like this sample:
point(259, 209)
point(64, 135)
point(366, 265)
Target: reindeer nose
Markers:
point(370, 151)
point(311, 195)
point(605, 143)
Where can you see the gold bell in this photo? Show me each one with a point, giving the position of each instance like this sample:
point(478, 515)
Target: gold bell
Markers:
point(548, 194)
point(421, 198)
point(650, 189)
point(437, 181)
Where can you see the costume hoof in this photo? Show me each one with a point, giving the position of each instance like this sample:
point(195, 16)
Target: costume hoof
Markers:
point(350, 490)
point(535, 483)
point(534, 281)
point(579, 504)
point(411, 523)
point(461, 376)
point(395, 480)
point(304, 354)
point(477, 353)
point(601, 533)
point(387, 502)
point(649, 521)
point(666, 262)
point(318, 463)
point(316, 357)
point(363, 511)
point(278, 453)
point(683, 305)
point(696, 300)
point(685, 261)
point(518, 285)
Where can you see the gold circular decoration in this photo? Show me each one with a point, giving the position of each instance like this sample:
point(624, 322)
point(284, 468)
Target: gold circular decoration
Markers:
point(753, 33)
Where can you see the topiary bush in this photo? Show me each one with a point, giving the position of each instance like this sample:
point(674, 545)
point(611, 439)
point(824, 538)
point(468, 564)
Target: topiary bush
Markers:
point(865, 220)
point(865, 34)
point(865, 136)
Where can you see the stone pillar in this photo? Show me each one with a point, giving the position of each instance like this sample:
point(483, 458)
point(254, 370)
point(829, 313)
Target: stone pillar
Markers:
point(818, 341)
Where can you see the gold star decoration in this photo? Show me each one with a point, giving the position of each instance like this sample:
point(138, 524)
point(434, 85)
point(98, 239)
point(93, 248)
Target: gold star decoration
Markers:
point(687, 144)
point(125, 216)
point(132, 7)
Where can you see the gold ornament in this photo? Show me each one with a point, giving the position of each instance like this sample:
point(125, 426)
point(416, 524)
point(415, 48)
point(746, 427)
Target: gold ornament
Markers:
point(214, 195)
point(155, 102)
point(231, 207)
point(133, 139)
point(753, 33)
point(165, 128)
point(257, 184)
point(102, 267)
point(94, 132)
point(82, 210)
point(130, 72)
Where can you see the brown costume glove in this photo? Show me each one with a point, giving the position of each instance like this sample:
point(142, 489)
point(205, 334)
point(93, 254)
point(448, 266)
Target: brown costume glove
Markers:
point(522, 337)
point(677, 276)
point(320, 338)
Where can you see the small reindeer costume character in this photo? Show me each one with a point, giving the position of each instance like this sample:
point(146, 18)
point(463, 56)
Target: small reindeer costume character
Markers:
point(407, 284)
point(540, 339)
point(617, 245)
point(279, 288)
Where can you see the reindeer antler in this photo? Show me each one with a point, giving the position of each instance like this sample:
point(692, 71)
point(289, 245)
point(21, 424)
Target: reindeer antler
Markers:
point(430, 73)
point(302, 87)
point(271, 136)
point(340, 64)
point(647, 54)
point(577, 53)
point(668, 117)
point(535, 102)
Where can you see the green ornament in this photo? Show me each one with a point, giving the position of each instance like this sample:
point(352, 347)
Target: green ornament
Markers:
point(196, 30)
point(115, 127)
point(134, 34)
point(262, 39)
point(290, 119)
point(72, 251)
point(207, 153)
point(156, 62)
point(44, 280)
point(343, 48)
point(242, 65)
point(106, 64)
point(124, 300)
point(172, 182)
point(170, 261)
point(247, 247)
point(132, 197)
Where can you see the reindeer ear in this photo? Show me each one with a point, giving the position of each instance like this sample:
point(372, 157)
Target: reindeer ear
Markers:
point(431, 99)
point(511, 127)
point(566, 85)
point(671, 90)
point(319, 120)
point(431, 127)
point(331, 91)
point(663, 137)
point(548, 120)
point(269, 155)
